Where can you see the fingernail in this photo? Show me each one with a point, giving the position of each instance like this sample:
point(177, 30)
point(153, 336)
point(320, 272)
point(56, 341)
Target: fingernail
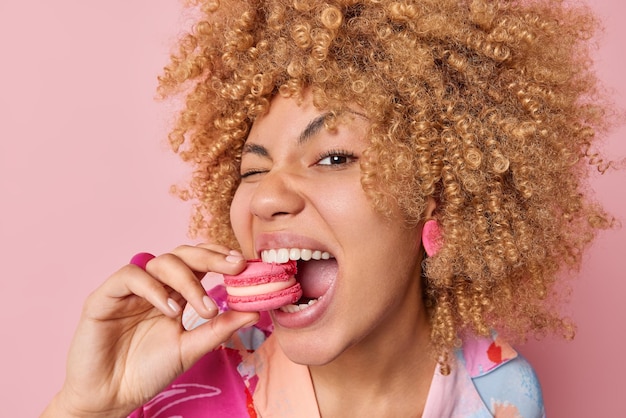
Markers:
point(235, 253)
point(209, 304)
point(232, 258)
point(175, 307)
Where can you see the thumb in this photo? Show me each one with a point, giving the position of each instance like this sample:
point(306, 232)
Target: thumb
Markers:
point(208, 336)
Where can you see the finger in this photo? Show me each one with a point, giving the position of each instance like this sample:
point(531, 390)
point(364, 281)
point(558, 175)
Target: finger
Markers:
point(173, 272)
point(130, 281)
point(210, 257)
point(216, 247)
point(208, 336)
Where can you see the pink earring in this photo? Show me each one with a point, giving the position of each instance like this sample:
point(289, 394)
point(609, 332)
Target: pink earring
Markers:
point(431, 237)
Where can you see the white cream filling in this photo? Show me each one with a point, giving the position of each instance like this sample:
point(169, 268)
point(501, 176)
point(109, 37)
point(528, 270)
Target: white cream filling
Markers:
point(259, 289)
point(282, 255)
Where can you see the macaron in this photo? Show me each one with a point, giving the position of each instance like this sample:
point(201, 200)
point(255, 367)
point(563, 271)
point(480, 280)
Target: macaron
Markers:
point(263, 286)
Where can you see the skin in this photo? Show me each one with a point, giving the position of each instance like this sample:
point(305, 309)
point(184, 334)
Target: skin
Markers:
point(294, 195)
point(130, 343)
point(368, 350)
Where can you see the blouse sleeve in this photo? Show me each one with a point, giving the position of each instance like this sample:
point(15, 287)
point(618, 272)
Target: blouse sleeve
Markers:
point(512, 389)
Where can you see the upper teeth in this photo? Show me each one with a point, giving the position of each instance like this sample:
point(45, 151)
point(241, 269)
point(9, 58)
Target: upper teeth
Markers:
point(282, 255)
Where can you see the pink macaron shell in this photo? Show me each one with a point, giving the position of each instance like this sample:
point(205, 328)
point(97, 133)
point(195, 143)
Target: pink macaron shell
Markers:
point(266, 301)
point(258, 272)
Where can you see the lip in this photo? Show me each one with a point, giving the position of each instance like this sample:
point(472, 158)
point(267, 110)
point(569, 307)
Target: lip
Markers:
point(307, 317)
point(311, 315)
point(275, 240)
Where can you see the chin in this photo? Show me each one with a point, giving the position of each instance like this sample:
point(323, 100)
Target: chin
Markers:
point(308, 350)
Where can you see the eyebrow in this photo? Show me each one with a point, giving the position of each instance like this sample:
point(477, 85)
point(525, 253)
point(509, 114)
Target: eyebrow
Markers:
point(307, 133)
point(312, 128)
point(256, 149)
point(310, 131)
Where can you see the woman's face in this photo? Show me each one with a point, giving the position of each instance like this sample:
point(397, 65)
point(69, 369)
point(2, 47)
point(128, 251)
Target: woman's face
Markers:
point(301, 195)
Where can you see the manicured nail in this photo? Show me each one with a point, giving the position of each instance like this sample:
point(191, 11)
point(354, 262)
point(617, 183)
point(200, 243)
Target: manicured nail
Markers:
point(175, 307)
point(234, 258)
point(209, 304)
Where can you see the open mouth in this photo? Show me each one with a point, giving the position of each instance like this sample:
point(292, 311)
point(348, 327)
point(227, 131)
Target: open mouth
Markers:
point(317, 271)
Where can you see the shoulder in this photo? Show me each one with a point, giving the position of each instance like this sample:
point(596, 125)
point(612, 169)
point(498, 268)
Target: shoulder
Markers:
point(514, 387)
point(505, 381)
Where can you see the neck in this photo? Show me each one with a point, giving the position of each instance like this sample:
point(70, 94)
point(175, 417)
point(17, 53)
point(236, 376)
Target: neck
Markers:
point(389, 372)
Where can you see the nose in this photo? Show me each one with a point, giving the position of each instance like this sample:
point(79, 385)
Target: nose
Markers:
point(276, 196)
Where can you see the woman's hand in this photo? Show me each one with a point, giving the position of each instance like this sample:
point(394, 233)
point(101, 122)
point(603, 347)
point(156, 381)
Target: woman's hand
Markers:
point(130, 342)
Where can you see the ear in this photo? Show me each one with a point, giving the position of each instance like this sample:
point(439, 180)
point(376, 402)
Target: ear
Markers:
point(431, 205)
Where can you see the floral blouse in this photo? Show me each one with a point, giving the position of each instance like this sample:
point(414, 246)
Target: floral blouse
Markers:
point(251, 377)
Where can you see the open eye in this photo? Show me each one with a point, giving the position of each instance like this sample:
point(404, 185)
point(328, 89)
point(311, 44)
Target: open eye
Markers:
point(336, 158)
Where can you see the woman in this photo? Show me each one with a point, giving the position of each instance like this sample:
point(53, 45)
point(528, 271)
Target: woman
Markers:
point(376, 132)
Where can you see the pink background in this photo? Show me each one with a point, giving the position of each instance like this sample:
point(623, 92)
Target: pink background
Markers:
point(84, 178)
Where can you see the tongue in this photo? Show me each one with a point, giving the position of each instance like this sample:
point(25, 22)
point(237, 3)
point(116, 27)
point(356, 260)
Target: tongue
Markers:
point(315, 276)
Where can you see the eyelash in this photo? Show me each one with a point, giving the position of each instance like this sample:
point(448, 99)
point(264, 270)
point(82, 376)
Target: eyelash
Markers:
point(326, 154)
point(250, 173)
point(337, 153)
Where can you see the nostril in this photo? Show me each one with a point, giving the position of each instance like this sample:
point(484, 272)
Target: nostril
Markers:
point(276, 196)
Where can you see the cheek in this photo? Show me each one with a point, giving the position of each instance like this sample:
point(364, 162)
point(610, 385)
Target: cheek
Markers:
point(376, 236)
point(360, 224)
point(344, 204)
point(240, 218)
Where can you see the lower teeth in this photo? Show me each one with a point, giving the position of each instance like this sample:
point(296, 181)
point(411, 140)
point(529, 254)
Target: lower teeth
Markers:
point(299, 307)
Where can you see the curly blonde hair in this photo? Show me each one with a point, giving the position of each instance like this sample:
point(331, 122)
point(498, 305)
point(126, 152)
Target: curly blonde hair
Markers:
point(488, 106)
